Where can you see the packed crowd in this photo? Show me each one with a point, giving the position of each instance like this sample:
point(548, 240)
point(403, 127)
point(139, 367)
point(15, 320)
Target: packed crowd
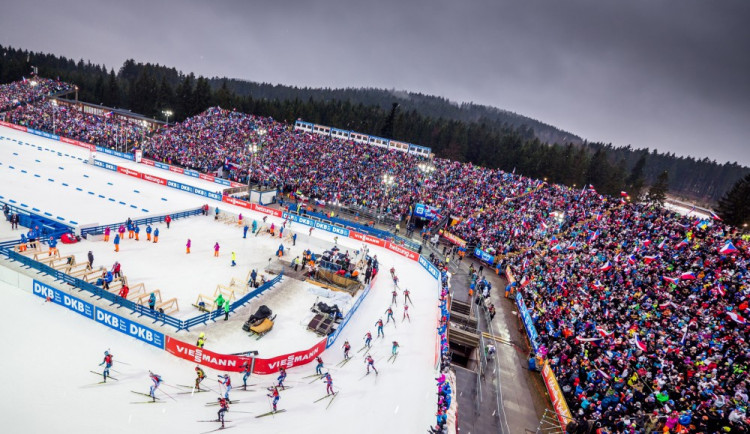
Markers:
point(641, 313)
point(112, 131)
point(26, 91)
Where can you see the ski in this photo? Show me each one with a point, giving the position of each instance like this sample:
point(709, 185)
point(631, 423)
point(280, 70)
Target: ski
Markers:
point(144, 394)
point(392, 359)
point(218, 429)
point(191, 392)
point(331, 401)
point(360, 350)
point(102, 375)
point(147, 402)
point(214, 420)
point(313, 375)
point(270, 389)
point(343, 362)
point(327, 396)
point(269, 413)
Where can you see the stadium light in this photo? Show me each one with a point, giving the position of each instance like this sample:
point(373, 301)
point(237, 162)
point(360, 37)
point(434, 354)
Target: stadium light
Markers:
point(253, 149)
point(167, 113)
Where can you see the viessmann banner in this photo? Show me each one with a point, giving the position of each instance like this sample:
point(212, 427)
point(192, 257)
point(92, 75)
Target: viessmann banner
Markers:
point(232, 363)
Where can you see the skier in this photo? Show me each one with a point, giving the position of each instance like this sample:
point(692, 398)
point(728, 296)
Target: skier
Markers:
point(107, 362)
point(346, 348)
point(275, 395)
point(370, 364)
point(394, 349)
point(406, 313)
point(395, 281)
point(281, 377)
point(156, 235)
point(157, 381)
point(395, 294)
point(368, 339)
point(234, 259)
point(319, 367)
point(224, 407)
point(148, 232)
point(388, 319)
point(187, 246)
point(226, 382)
point(200, 376)
point(406, 296)
point(246, 371)
point(329, 381)
point(201, 340)
point(393, 272)
point(310, 233)
point(216, 249)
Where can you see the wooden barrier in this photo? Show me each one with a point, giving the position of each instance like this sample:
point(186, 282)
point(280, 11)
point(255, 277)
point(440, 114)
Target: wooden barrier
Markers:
point(78, 270)
point(168, 307)
point(208, 303)
point(92, 275)
point(136, 291)
point(64, 263)
point(143, 299)
point(228, 293)
point(45, 257)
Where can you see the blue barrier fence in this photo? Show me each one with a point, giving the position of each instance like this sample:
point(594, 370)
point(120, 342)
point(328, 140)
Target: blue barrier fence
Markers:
point(332, 337)
point(28, 218)
point(528, 323)
point(211, 316)
point(98, 230)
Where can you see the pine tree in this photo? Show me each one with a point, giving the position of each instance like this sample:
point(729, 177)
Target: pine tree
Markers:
point(635, 180)
point(734, 206)
point(657, 194)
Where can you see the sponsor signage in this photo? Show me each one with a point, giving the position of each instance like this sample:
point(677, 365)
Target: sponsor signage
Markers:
point(454, 239)
point(237, 202)
point(192, 173)
point(401, 251)
point(147, 162)
point(215, 196)
point(161, 165)
point(205, 177)
point(130, 328)
point(556, 395)
point(154, 179)
point(484, 256)
point(43, 134)
point(425, 211)
point(265, 210)
point(176, 169)
point(427, 265)
point(12, 126)
point(105, 165)
point(63, 299)
point(528, 323)
point(129, 172)
point(233, 363)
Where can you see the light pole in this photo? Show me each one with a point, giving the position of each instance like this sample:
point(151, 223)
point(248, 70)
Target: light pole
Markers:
point(387, 181)
point(54, 116)
point(252, 148)
point(167, 113)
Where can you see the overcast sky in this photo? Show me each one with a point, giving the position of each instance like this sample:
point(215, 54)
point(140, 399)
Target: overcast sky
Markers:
point(672, 75)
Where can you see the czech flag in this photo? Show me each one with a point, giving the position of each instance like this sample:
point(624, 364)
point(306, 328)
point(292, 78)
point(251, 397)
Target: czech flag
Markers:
point(632, 260)
point(682, 244)
point(672, 280)
point(624, 193)
point(688, 276)
point(606, 267)
point(728, 248)
point(721, 289)
point(715, 217)
point(647, 243)
point(599, 216)
point(597, 284)
point(556, 248)
point(640, 345)
point(524, 281)
point(661, 245)
point(738, 319)
point(604, 333)
point(650, 259)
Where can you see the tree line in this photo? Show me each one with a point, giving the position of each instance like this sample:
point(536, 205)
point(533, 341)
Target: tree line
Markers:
point(469, 133)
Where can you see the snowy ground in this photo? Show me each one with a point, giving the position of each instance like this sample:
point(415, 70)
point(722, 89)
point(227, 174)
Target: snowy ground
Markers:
point(48, 384)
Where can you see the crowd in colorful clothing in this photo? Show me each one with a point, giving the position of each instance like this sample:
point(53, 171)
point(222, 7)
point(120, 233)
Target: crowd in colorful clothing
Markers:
point(30, 90)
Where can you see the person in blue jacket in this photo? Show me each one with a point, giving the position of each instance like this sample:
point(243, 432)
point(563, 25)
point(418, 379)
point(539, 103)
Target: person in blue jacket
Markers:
point(152, 301)
point(137, 232)
point(148, 232)
point(117, 242)
point(156, 235)
point(244, 231)
point(52, 243)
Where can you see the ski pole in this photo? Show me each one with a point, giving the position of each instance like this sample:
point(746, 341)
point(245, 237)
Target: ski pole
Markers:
point(170, 396)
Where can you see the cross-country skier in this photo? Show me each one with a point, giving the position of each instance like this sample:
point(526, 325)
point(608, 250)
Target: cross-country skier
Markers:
point(380, 328)
point(319, 367)
point(370, 364)
point(346, 348)
point(281, 377)
point(395, 281)
point(247, 371)
point(395, 294)
point(226, 382)
point(393, 272)
point(224, 407)
point(157, 381)
point(368, 339)
point(107, 362)
point(394, 349)
point(406, 313)
point(275, 395)
point(200, 376)
point(389, 313)
point(329, 381)
point(406, 296)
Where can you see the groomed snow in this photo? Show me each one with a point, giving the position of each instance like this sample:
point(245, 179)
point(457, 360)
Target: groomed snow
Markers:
point(48, 386)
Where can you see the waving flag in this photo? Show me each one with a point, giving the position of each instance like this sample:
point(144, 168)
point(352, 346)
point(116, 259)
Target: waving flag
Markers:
point(606, 267)
point(604, 333)
point(597, 284)
point(572, 246)
point(728, 248)
point(688, 276)
point(632, 260)
point(715, 217)
point(672, 280)
point(617, 257)
point(624, 193)
point(682, 244)
point(640, 345)
point(661, 245)
point(556, 248)
point(721, 289)
point(738, 319)
point(524, 281)
point(649, 259)
point(599, 216)
point(646, 243)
